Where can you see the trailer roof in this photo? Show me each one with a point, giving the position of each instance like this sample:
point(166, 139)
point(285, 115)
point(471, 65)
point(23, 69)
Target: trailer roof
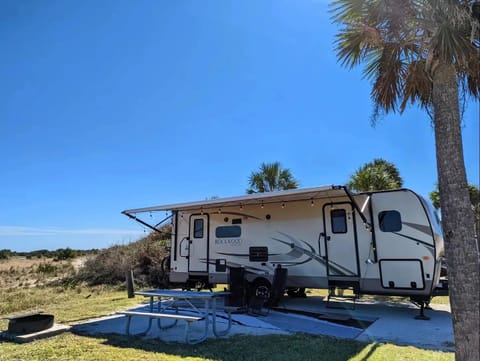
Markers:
point(331, 191)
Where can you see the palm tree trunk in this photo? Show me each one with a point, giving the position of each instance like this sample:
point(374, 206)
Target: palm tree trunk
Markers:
point(461, 247)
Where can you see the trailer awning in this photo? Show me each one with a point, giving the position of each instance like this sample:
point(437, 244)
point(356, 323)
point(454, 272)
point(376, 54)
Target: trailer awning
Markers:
point(326, 192)
point(330, 192)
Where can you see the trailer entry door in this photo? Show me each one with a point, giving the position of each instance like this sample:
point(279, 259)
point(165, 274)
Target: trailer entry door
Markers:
point(341, 244)
point(198, 247)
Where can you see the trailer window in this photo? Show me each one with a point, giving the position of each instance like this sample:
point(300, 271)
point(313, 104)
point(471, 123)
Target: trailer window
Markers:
point(390, 221)
point(339, 220)
point(198, 228)
point(228, 231)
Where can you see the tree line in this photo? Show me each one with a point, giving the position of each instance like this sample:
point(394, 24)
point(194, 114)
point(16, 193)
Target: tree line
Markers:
point(58, 254)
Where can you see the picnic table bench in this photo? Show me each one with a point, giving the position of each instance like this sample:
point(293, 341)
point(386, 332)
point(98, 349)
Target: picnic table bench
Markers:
point(168, 308)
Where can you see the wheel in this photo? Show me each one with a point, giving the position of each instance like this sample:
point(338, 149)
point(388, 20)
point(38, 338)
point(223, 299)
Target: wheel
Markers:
point(261, 288)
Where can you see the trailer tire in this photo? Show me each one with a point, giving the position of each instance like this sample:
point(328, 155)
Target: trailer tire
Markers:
point(261, 288)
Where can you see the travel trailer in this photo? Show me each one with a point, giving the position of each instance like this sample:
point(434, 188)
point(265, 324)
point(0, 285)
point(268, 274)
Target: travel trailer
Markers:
point(387, 242)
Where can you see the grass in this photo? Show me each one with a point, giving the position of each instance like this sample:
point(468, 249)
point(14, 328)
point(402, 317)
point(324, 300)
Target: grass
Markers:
point(70, 305)
point(69, 346)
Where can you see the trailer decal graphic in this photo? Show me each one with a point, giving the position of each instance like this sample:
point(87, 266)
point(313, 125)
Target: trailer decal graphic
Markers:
point(420, 227)
point(290, 258)
point(429, 247)
point(296, 244)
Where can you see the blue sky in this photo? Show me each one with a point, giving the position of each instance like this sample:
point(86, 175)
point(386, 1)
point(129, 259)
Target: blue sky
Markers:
point(109, 105)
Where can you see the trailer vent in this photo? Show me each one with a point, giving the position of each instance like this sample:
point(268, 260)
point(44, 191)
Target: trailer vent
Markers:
point(258, 254)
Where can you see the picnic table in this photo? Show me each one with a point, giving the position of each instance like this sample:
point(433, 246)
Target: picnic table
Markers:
point(180, 305)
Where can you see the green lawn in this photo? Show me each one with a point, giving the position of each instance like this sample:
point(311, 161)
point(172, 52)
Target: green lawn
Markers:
point(68, 305)
point(72, 305)
point(274, 347)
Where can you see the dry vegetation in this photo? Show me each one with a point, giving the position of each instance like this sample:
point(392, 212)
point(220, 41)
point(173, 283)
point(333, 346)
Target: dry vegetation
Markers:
point(18, 272)
point(32, 283)
point(144, 257)
point(105, 267)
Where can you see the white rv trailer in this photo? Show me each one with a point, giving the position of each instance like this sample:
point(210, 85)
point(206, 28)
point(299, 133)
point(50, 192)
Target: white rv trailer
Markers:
point(387, 242)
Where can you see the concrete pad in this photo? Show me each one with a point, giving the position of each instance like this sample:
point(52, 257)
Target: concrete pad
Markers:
point(117, 325)
point(398, 325)
point(391, 322)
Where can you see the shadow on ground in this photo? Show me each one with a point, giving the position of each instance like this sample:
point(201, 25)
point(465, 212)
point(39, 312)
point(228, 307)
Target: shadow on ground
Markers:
point(375, 322)
point(246, 347)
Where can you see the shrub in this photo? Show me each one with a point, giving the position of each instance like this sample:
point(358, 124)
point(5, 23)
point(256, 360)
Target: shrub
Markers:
point(111, 265)
point(5, 254)
point(46, 268)
point(64, 254)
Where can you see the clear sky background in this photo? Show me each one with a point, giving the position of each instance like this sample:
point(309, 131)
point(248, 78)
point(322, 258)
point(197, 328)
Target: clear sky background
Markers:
point(110, 105)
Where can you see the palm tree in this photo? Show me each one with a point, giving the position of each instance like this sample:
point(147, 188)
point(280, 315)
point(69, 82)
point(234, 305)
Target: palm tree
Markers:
point(271, 177)
point(425, 51)
point(378, 175)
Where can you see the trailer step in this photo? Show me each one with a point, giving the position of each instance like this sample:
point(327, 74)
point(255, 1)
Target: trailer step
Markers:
point(336, 289)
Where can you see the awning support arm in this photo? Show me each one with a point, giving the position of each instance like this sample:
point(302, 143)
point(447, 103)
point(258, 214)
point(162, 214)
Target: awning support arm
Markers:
point(357, 208)
point(146, 224)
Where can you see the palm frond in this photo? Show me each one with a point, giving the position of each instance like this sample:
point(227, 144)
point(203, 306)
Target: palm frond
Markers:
point(348, 11)
point(354, 45)
point(417, 85)
point(388, 78)
point(401, 42)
